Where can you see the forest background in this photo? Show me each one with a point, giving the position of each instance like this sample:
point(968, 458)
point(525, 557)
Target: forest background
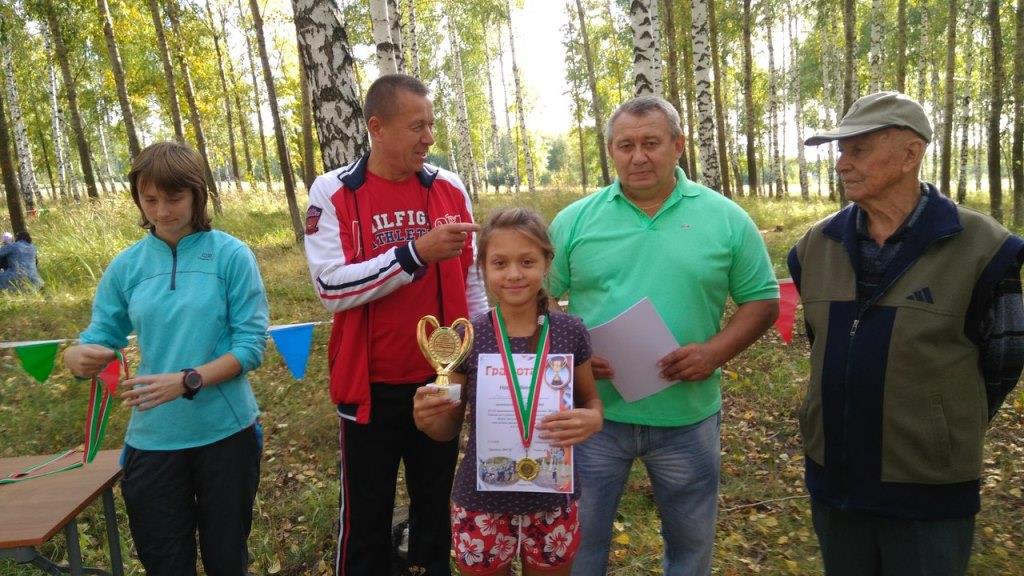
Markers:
point(269, 92)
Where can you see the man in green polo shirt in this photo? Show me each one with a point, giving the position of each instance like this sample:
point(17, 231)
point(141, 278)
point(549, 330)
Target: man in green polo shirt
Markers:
point(655, 234)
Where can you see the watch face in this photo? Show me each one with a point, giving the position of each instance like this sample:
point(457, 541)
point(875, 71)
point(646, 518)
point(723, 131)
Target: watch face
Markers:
point(193, 380)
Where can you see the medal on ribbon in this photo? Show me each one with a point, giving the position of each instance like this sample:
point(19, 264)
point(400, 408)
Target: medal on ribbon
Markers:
point(525, 408)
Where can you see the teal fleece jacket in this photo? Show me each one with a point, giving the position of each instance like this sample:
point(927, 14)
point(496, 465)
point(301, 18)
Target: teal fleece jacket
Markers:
point(187, 306)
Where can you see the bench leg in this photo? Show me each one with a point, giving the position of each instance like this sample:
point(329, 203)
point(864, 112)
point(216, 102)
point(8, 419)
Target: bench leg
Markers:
point(74, 551)
point(113, 538)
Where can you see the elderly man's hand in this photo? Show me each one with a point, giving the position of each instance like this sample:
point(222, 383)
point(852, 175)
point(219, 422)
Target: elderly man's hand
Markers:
point(693, 362)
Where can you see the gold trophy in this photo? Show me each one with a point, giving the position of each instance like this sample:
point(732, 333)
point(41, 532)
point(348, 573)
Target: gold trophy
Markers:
point(444, 350)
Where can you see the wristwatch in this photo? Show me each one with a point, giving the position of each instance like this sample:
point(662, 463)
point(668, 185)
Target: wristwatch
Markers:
point(192, 382)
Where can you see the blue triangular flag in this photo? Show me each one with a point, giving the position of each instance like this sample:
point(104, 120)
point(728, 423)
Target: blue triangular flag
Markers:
point(293, 342)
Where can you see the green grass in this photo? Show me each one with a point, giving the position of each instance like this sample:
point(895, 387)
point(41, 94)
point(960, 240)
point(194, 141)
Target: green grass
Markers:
point(764, 522)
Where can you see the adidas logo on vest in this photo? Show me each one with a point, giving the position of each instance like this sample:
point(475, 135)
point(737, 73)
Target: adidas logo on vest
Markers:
point(922, 295)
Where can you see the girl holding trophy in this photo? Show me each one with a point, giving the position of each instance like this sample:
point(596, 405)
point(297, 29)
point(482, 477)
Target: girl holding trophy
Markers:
point(512, 496)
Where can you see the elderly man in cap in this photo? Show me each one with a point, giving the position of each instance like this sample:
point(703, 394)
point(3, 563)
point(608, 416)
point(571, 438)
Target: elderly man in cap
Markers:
point(914, 315)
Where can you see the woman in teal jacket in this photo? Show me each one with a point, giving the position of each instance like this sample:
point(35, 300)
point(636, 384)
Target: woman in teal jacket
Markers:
point(194, 298)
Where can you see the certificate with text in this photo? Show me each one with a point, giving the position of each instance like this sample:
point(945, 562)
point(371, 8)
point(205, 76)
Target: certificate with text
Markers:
point(499, 446)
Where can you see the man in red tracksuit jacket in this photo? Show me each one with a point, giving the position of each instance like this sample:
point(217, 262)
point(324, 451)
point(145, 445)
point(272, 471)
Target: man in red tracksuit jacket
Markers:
point(389, 239)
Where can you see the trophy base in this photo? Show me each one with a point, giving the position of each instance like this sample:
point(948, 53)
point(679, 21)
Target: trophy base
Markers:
point(454, 391)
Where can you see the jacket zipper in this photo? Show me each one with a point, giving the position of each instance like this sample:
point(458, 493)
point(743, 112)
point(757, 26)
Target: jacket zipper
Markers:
point(174, 267)
point(849, 351)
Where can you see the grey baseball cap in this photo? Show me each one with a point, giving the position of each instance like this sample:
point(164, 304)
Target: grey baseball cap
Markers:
point(875, 112)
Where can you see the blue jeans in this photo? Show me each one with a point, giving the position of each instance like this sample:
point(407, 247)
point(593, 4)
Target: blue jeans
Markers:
point(682, 463)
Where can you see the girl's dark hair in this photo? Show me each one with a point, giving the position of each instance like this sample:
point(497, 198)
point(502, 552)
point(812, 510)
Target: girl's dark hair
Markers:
point(526, 222)
point(170, 167)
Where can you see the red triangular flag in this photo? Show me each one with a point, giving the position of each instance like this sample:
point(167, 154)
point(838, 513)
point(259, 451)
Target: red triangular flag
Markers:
point(788, 299)
point(111, 375)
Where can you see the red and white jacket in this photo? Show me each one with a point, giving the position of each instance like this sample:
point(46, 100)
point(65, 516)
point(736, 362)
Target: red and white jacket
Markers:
point(360, 276)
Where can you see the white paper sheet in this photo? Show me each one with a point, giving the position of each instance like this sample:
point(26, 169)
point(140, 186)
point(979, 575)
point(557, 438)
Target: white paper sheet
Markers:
point(633, 342)
point(498, 443)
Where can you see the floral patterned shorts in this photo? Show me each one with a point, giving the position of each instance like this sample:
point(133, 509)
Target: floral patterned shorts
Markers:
point(487, 541)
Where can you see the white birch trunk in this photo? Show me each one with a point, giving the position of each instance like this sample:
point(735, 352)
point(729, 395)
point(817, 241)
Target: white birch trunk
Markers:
point(395, 24)
point(965, 115)
point(643, 16)
point(414, 46)
point(705, 109)
point(327, 60)
point(513, 175)
point(26, 175)
point(496, 155)
point(828, 81)
point(773, 112)
point(794, 65)
point(520, 113)
point(387, 58)
point(56, 122)
point(875, 53)
point(467, 161)
point(106, 154)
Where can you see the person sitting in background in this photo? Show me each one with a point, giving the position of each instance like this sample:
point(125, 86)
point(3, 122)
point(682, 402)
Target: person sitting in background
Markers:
point(5, 239)
point(19, 263)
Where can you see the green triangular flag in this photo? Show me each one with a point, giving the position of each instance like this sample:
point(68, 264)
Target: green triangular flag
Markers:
point(37, 359)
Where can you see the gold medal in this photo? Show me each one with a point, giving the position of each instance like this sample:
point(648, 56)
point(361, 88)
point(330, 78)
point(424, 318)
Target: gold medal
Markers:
point(527, 468)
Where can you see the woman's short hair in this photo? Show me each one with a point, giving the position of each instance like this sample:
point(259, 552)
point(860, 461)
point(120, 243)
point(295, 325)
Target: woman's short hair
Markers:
point(171, 167)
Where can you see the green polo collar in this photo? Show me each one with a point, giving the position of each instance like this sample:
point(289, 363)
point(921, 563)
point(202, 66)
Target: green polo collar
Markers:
point(684, 187)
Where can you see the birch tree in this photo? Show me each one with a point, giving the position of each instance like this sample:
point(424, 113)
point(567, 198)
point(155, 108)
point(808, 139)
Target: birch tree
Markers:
point(595, 96)
point(258, 106)
point(875, 51)
point(690, 95)
point(720, 126)
point(520, 112)
point(995, 179)
point(193, 107)
point(414, 46)
point(672, 35)
point(643, 16)
point(702, 76)
point(327, 63)
point(775, 172)
point(243, 121)
point(60, 151)
point(387, 51)
point(282, 147)
point(14, 211)
point(22, 146)
point(226, 97)
point(965, 115)
point(801, 159)
point(748, 102)
point(114, 55)
point(948, 100)
point(71, 90)
point(165, 59)
point(901, 46)
point(849, 46)
point(466, 159)
point(395, 24)
point(1017, 160)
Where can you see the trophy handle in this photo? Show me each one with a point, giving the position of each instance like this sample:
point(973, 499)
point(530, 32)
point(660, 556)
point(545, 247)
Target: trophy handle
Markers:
point(467, 339)
point(421, 338)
